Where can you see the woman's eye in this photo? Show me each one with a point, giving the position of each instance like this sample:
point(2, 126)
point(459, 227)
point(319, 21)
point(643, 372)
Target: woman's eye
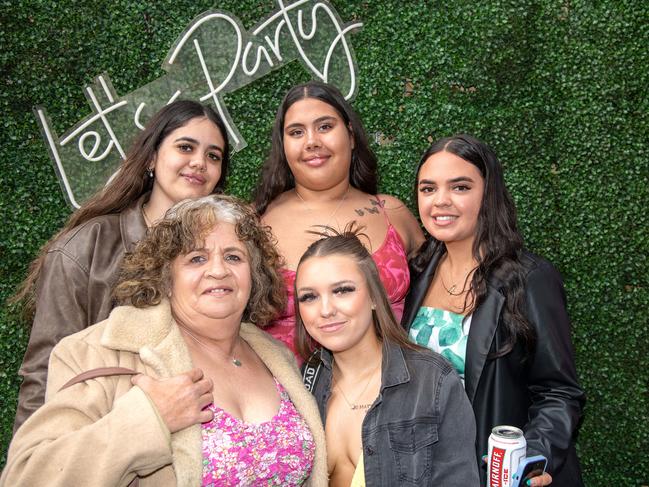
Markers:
point(214, 156)
point(306, 297)
point(233, 258)
point(197, 259)
point(295, 132)
point(427, 189)
point(185, 148)
point(461, 187)
point(325, 126)
point(344, 290)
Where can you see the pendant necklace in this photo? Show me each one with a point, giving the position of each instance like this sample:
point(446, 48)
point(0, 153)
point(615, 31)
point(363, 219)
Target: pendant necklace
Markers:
point(451, 290)
point(354, 406)
point(334, 212)
point(232, 359)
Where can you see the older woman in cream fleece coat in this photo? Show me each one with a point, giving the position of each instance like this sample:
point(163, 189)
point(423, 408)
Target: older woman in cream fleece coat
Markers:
point(107, 431)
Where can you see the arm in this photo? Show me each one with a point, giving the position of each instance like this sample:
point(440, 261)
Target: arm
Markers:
point(404, 222)
point(454, 453)
point(557, 399)
point(61, 310)
point(81, 437)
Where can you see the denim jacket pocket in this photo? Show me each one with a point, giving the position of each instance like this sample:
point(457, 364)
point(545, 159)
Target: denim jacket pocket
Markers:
point(410, 442)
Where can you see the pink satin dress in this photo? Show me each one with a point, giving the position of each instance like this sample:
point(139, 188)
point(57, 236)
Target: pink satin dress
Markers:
point(392, 262)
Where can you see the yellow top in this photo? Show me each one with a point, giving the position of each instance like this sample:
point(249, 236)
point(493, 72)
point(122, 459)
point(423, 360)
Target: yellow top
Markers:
point(358, 480)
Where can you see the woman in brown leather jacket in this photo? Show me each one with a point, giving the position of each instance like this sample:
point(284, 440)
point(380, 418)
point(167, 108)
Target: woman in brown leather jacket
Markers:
point(495, 311)
point(182, 153)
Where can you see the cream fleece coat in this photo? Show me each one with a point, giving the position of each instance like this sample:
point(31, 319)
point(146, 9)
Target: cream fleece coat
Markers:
point(104, 431)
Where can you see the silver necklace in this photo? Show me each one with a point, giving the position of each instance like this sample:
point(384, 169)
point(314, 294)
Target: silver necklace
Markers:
point(354, 406)
point(331, 217)
point(233, 360)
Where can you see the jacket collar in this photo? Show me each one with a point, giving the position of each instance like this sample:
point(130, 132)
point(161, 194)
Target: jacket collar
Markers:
point(131, 223)
point(151, 333)
point(483, 324)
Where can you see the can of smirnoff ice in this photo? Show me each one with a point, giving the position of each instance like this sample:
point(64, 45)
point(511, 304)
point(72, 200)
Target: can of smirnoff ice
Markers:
point(507, 447)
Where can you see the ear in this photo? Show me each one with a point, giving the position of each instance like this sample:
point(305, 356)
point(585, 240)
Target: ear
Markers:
point(352, 141)
point(152, 163)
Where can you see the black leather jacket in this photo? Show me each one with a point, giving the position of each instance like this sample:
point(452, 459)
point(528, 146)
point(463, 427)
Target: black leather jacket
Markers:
point(420, 430)
point(541, 395)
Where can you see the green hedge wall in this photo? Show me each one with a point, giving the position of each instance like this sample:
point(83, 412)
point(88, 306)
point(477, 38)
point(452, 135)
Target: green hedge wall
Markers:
point(557, 87)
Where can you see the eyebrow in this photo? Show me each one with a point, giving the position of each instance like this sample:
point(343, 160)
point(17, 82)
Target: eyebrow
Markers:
point(335, 284)
point(316, 121)
point(454, 180)
point(232, 248)
point(195, 142)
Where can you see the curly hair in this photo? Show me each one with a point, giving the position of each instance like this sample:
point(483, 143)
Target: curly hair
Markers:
point(145, 277)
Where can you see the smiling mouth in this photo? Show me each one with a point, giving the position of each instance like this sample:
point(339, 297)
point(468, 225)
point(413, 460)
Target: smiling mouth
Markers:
point(316, 161)
point(331, 327)
point(218, 291)
point(445, 218)
point(193, 178)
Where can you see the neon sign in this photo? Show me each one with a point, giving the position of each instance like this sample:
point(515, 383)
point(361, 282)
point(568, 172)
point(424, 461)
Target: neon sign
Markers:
point(215, 55)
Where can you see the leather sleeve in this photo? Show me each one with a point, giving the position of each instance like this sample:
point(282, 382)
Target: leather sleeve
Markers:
point(61, 310)
point(557, 398)
point(454, 456)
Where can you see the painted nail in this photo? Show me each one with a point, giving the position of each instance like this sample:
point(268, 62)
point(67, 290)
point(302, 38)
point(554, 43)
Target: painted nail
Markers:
point(528, 482)
point(484, 458)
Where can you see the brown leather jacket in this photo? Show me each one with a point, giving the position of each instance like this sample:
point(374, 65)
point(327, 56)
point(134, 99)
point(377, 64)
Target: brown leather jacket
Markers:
point(74, 292)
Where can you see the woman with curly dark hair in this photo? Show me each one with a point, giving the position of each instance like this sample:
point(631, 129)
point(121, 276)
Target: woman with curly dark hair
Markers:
point(183, 152)
point(496, 312)
point(214, 400)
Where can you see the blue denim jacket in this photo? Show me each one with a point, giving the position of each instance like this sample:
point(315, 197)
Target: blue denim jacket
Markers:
point(420, 430)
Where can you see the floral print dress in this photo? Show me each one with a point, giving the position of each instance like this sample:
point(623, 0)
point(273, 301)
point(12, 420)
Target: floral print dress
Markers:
point(275, 452)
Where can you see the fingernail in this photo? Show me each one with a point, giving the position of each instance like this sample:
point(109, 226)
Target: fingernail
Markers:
point(528, 482)
point(484, 458)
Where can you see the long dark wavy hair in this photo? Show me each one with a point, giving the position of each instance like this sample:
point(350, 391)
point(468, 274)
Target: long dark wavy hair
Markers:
point(129, 183)
point(276, 176)
point(498, 244)
point(347, 244)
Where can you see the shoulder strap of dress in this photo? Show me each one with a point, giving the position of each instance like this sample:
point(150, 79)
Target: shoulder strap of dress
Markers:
point(98, 372)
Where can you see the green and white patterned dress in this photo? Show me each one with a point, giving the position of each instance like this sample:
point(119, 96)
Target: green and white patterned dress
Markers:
point(443, 332)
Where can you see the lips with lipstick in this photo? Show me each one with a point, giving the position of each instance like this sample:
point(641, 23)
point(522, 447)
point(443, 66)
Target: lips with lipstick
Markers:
point(193, 178)
point(315, 160)
point(332, 327)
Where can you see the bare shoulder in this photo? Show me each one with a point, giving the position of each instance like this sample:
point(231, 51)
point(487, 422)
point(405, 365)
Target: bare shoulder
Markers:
point(403, 220)
point(277, 208)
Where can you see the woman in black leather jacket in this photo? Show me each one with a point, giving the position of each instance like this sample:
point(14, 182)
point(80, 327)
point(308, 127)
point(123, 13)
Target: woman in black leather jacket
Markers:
point(495, 311)
point(394, 413)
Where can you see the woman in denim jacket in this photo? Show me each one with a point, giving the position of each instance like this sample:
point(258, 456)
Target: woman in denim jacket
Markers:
point(394, 413)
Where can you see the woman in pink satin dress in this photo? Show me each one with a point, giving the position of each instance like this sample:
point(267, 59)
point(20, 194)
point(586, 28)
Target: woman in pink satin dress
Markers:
point(322, 172)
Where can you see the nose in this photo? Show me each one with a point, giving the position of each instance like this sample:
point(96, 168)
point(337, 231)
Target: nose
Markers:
point(312, 139)
point(217, 269)
point(442, 198)
point(198, 163)
point(327, 307)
